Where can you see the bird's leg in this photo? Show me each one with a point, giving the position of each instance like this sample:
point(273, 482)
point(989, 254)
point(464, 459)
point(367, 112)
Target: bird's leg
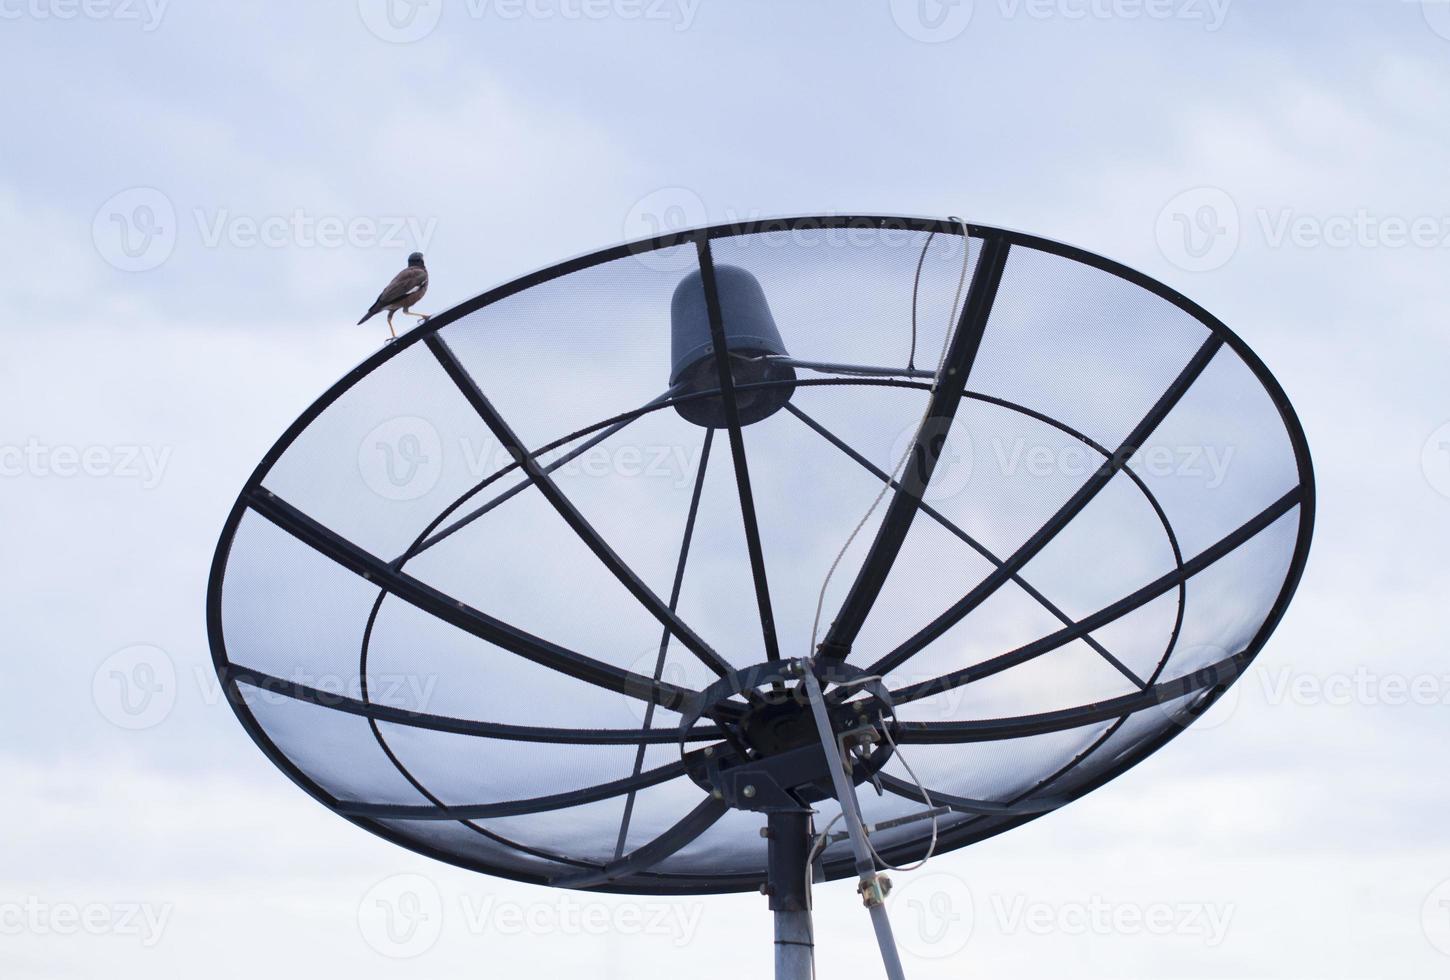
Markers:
point(422, 317)
point(390, 325)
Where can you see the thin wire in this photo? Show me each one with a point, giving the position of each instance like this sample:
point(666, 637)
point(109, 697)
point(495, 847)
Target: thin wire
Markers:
point(901, 464)
point(921, 788)
point(915, 291)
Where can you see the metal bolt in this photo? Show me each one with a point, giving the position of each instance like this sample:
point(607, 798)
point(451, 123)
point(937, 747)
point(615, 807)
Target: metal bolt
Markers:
point(709, 751)
point(748, 792)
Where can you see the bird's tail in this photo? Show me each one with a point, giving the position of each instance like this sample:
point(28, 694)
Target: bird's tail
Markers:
point(369, 315)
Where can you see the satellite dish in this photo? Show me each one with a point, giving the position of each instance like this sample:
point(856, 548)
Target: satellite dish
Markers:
point(534, 590)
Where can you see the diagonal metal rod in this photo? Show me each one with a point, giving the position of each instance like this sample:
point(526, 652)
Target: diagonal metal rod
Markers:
point(417, 593)
point(946, 397)
point(515, 808)
point(1064, 515)
point(1107, 614)
point(737, 448)
point(269, 684)
point(696, 822)
point(522, 485)
point(870, 887)
point(566, 509)
point(649, 711)
point(971, 542)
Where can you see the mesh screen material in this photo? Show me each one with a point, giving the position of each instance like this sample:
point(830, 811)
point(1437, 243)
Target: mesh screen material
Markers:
point(393, 552)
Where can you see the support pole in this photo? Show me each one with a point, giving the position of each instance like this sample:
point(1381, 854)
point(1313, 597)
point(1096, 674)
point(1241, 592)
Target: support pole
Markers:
point(871, 887)
point(788, 854)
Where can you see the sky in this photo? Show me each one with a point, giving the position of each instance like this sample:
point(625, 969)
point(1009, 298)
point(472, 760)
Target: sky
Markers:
point(197, 201)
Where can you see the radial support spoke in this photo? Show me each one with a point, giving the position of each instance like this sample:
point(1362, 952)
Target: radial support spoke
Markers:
point(971, 542)
point(695, 823)
point(1107, 614)
point(566, 509)
point(925, 450)
point(514, 808)
point(1214, 675)
point(649, 711)
point(459, 614)
point(513, 491)
point(1064, 515)
point(961, 804)
point(268, 684)
point(729, 401)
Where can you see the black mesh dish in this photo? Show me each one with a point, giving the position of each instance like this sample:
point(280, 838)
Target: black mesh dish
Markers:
point(470, 597)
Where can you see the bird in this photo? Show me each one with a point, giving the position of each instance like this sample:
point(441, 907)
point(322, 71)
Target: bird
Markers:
point(407, 288)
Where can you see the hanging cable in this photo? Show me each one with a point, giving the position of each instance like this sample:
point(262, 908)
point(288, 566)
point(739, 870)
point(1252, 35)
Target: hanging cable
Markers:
point(915, 292)
point(901, 464)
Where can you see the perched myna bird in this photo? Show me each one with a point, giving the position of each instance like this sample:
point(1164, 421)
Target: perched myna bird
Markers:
point(406, 289)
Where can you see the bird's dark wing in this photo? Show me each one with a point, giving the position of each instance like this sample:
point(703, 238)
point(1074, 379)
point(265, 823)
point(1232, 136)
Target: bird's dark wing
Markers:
point(409, 280)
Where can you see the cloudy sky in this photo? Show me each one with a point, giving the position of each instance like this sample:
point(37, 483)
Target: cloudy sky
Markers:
point(197, 201)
